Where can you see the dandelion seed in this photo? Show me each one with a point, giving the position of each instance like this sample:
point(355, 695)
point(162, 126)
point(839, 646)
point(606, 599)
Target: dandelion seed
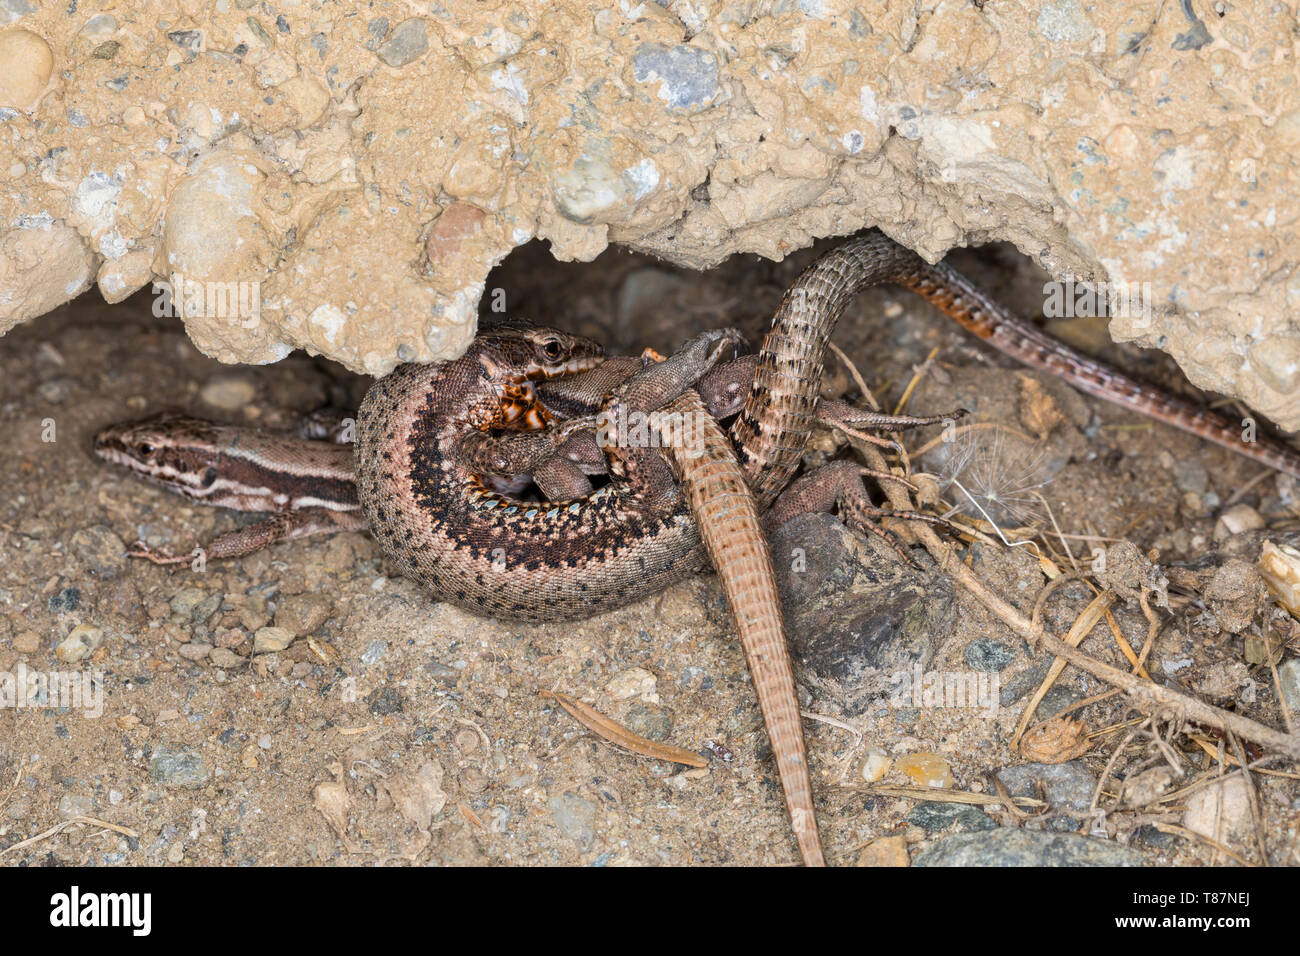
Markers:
point(996, 475)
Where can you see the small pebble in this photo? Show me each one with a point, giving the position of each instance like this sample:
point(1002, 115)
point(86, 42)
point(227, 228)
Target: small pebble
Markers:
point(222, 657)
point(75, 805)
point(874, 765)
point(885, 851)
point(268, 640)
point(575, 818)
point(1221, 812)
point(1235, 520)
point(384, 701)
point(650, 721)
point(302, 614)
point(926, 770)
point(933, 817)
point(195, 652)
point(633, 682)
point(177, 766)
point(28, 642)
point(229, 391)
point(79, 644)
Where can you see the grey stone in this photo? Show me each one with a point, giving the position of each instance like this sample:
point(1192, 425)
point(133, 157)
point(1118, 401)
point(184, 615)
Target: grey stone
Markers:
point(1068, 786)
point(855, 614)
point(650, 721)
point(934, 816)
point(1007, 847)
point(688, 75)
point(409, 41)
point(174, 765)
point(988, 655)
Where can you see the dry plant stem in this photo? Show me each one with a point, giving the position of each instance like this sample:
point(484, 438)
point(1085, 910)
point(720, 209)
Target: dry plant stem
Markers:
point(1088, 618)
point(1193, 835)
point(1256, 811)
point(1143, 692)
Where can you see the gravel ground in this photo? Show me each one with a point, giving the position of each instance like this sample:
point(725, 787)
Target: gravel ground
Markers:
point(302, 705)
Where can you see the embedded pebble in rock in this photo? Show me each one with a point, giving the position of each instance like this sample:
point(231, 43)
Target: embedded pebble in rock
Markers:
point(650, 721)
point(1221, 812)
point(988, 655)
point(1008, 847)
point(175, 765)
point(885, 851)
point(268, 640)
point(934, 816)
point(633, 682)
point(79, 644)
point(575, 818)
point(409, 41)
point(855, 614)
point(100, 551)
point(229, 391)
point(216, 253)
point(926, 770)
point(26, 63)
point(458, 223)
point(302, 614)
point(118, 278)
point(27, 642)
point(1068, 786)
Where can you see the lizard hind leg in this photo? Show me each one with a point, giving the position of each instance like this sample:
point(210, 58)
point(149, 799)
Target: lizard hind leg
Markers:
point(838, 486)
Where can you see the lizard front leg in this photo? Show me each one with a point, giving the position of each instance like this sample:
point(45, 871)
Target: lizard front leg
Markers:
point(282, 526)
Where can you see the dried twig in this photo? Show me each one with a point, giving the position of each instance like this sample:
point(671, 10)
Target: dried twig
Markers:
point(1145, 693)
point(60, 827)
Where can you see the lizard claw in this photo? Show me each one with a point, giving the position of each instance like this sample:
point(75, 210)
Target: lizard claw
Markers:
point(142, 550)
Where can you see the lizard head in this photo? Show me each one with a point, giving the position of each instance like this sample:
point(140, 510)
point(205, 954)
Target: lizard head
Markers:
point(166, 449)
point(512, 359)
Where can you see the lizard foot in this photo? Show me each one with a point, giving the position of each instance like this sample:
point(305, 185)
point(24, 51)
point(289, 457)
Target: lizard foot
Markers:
point(142, 550)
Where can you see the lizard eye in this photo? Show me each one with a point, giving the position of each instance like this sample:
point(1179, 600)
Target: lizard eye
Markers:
point(146, 450)
point(552, 349)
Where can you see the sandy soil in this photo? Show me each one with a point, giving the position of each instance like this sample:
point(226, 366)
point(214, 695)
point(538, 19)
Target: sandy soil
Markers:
point(394, 728)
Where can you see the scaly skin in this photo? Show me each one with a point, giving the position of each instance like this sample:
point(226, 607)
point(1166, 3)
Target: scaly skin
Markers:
point(772, 431)
point(482, 550)
point(727, 516)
